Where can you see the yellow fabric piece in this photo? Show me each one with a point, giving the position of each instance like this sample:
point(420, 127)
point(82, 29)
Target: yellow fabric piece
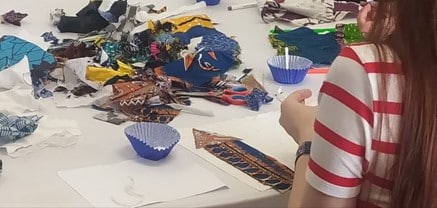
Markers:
point(151, 25)
point(184, 23)
point(103, 74)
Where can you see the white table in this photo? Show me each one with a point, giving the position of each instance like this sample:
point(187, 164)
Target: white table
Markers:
point(31, 180)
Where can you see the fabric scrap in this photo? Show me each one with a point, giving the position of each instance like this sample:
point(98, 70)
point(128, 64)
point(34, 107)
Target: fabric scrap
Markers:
point(51, 132)
point(18, 101)
point(257, 98)
point(13, 127)
point(13, 49)
point(13, 17)
point(48, 36)
point(300, 12)
point(263, 168)
point(319, 48)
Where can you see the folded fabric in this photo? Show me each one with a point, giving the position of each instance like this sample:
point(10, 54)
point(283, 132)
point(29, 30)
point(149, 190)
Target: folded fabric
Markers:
point(215, 55)
point(301, 12)
point(14, 127)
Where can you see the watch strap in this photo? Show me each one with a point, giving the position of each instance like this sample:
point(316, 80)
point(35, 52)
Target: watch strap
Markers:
point(303, 149)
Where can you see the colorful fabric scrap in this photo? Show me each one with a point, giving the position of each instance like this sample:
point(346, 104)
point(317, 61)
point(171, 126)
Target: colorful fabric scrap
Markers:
point(48, 36)
point(13, 17)
point(185, 23)
point(215, 55)
point(143, 101)
point(204, 138)
point(319, 48)
point(257, 98)
point(13, 50)
point(249, 160)
point(348, 33)
point(15, 127)
point(103, 75)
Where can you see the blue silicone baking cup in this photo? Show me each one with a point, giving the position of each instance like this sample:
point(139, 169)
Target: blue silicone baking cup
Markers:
point(295, 73)
point(153, 141)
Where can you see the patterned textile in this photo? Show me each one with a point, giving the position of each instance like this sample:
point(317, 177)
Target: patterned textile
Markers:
point(104, 74)
point(215, 55)
point(249, 160)
point(257, 98)
point(348, 33)
point(203, 138)
point(300, 12)
point(48, 36)
point(185, 23)
point(13, 49)
point(143, 101)
point(16, 127)
point(320, 49)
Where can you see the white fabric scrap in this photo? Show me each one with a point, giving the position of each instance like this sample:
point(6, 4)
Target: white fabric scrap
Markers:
point(316, 11)
point(14, 75)
point(18, 101)
point(51, 132)
point(79, 66)
point(71, 101)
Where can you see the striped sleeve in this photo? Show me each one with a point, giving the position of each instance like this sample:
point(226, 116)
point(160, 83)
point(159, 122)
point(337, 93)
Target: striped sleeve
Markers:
point(343, 129)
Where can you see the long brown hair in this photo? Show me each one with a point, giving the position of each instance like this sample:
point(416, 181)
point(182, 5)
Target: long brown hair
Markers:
point(412, 36)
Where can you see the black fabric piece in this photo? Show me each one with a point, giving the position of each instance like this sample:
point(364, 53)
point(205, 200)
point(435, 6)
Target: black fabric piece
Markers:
point(88, 19)
point(92, 6)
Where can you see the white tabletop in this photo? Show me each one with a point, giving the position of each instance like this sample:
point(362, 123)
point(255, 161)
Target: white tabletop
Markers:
point(32, 181)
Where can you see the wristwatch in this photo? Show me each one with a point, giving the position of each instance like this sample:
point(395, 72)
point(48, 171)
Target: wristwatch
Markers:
point(304, 149)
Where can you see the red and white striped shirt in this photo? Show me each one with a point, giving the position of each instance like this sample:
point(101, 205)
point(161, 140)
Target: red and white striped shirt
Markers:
point(350, 156)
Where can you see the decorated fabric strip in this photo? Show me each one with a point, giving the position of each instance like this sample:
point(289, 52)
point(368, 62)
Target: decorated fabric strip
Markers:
point(249, 160)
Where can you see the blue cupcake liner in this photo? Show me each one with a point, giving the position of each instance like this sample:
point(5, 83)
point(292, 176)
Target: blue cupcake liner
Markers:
point(153, 141)
point(210, 2)
point(296, 72)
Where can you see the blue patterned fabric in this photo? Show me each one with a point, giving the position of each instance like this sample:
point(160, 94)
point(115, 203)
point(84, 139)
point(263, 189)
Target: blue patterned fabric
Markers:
point(257, 98)
point(13, 50)
point(219, 53)
point(16, 127)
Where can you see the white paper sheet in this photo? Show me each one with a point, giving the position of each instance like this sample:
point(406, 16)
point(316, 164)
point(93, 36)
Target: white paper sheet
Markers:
point(139, 182)
point(272, 141)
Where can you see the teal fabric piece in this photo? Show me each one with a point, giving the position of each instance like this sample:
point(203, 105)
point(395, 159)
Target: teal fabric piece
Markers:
point(14, 49)
point(319, 48)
